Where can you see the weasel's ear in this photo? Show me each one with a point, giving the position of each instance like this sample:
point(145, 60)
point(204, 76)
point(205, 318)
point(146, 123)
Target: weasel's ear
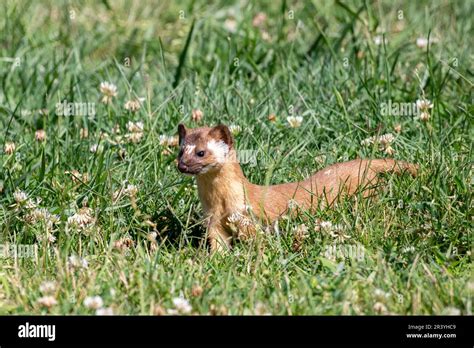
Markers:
point(181, 132)
point(222, 132)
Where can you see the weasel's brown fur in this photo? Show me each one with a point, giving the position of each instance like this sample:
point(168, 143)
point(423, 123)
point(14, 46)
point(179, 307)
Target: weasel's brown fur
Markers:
point(227, 195)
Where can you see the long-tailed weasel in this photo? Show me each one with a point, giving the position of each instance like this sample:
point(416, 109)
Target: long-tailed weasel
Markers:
point(227, 196)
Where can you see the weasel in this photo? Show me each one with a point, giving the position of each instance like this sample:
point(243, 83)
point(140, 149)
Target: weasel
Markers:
point(227, 197)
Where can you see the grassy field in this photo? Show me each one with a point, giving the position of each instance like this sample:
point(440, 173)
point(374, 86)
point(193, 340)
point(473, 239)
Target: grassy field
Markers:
point(102, 222)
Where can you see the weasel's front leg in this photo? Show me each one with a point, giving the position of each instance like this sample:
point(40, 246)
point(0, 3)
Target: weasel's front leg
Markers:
point(219, 238)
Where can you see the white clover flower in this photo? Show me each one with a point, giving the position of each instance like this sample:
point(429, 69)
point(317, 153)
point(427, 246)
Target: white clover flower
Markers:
point(182, 305)
point(135, 127)
point(231, 25)
point(380, 308)
point(425, 116)
point(379, 39)
point(131, 190)
point(234, 217)
point(235, 129)
point(47, 301)
point(40, 135)
point(261, 309)
point(152, 236)
point(41, 214)
point(93, 302)
point(295, 121)
point(197, 115)
point(384, 140)
point(47, 287)
point(134, 104)
point(134, 137)
point(51, 237)
point(424, 104)
point(327, 225)
point(239, 219)
point(335, 231)
point(380, 294)
point(82, 218)
point(77, 262)
point(389, 150)
point(48, 236)
point(168, 140)
point(136, 131)
point(259, 19)
point(20, 196)
point(31, 203)
point(109, 90)
point(163, 139)
point(422, 42)
point(321, 159)
point(10, 148)
point(301, 231)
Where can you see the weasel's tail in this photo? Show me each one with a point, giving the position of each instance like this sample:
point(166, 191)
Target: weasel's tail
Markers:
point(390, 165)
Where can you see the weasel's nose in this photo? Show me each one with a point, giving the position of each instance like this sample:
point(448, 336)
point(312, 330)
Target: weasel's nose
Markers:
point(182, 167)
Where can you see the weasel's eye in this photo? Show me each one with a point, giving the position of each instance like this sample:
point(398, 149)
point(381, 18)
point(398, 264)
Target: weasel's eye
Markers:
point(200, 153)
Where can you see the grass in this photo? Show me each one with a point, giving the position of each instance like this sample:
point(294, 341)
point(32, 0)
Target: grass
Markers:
point(317, 60)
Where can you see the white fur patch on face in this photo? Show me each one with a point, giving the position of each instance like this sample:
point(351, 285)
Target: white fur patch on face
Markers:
point(219, 149)
point(205, 169)
point(189, 149)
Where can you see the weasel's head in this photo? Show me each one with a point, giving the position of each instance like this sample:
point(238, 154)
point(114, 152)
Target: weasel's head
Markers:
point(203, 150)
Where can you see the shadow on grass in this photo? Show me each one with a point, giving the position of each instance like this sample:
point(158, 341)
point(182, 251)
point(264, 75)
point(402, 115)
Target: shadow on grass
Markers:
point(172, 230)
